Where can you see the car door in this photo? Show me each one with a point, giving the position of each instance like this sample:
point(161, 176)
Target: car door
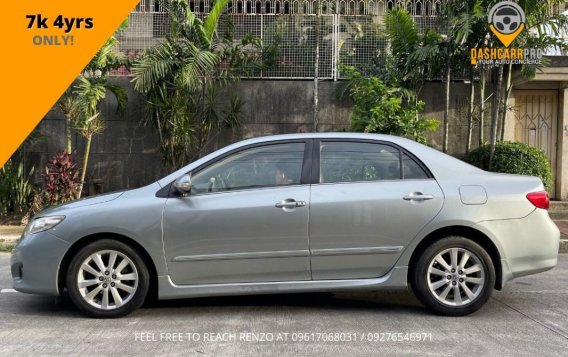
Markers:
point(245, 219)
point(371, 199)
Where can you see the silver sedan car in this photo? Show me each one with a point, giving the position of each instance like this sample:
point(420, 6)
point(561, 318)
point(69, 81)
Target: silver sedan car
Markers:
point(296, 213)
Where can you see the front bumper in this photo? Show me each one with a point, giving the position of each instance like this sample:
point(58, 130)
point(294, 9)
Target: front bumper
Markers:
point(35, 263)
point(528, 245)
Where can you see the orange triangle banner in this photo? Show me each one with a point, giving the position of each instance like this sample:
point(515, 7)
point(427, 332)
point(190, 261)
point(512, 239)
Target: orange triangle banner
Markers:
point(46, 44)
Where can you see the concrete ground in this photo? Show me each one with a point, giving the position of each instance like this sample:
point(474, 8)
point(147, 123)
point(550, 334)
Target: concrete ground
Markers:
point(529, 317)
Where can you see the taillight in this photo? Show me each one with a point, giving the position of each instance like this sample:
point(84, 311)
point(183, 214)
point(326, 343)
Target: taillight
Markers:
point(539, 199)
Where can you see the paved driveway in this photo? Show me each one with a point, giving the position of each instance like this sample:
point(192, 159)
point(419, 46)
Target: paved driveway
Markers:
point(529, 317)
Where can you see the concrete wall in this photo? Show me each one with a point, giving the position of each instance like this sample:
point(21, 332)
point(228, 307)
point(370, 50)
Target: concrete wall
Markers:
point(433, 96)
point(127, 154)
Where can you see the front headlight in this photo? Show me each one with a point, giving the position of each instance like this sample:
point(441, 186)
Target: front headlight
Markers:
point(42, 224)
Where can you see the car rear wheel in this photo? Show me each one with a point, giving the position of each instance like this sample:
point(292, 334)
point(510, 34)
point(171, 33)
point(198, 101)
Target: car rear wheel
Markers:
point(107, 279)
point(454, 276)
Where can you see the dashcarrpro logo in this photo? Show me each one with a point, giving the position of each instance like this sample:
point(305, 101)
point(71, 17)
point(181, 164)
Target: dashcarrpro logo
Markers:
point(506, 20)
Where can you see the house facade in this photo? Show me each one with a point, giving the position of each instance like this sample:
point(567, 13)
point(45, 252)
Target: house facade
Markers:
point(540, 117)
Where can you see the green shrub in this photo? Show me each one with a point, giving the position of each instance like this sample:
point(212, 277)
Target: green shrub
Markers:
point(15, 188)
point(514, 158)
point(385, 109)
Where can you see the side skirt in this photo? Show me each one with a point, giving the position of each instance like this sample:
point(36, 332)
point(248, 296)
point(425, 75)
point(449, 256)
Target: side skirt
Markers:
point(394, 279)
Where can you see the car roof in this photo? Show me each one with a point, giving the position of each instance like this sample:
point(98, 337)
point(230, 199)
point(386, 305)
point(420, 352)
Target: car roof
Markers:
point(325, 135)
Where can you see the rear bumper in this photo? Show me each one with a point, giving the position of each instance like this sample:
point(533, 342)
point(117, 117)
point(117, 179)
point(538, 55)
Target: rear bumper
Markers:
point(35, 267)
point(527, 245)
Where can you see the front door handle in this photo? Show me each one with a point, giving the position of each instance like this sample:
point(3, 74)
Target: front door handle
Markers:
point(417, 196)
point(289, 203)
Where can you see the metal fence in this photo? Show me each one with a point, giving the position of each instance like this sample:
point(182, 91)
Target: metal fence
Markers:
point(352, 32)
point(294, 38)
point(330, 7)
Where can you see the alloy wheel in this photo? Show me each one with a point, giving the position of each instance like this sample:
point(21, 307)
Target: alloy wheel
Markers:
point(455, 276)
point(107, 279)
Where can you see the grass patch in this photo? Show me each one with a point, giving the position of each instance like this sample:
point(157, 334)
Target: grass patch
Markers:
point(6, 247)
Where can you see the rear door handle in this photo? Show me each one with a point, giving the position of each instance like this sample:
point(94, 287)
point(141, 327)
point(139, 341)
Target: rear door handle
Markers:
point(289, 203)
point(417, 196)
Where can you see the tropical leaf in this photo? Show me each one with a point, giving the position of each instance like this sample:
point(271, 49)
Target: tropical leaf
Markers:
point(156, 65)
point(466, 25)
point(199, 65)
point(119, 93)
point(402, 33)
point(68, 104)
point(90, 93)
point(210, 25)
point(234, 112)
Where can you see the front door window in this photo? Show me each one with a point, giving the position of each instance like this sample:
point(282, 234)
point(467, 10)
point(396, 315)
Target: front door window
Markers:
point(264, 166)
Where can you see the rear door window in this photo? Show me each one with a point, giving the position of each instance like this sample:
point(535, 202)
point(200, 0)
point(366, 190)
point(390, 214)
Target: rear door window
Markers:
point(346, 161)
point(354, 161)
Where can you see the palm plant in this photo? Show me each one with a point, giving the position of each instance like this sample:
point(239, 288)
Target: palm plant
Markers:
point(543, 29)
point(72, 105)
point(88, 91)
point(80, 104)
point(411, 63)
point(411, 52)
point(470, 30)
point(68, 105)
point(450, 51)
point(181, 79)
point(421, 57)
point(467, 28)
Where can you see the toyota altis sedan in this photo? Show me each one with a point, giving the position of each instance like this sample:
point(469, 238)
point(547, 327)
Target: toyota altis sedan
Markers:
point(296, 213)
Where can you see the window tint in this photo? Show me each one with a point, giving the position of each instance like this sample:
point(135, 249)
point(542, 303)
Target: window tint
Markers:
point(411, 169)
point(350, 161)
point(270, 165)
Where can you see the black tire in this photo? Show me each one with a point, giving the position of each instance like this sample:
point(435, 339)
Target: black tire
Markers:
point(132, 300)
point(419, 278)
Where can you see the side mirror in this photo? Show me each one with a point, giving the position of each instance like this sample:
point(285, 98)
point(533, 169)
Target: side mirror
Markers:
point(183, 184)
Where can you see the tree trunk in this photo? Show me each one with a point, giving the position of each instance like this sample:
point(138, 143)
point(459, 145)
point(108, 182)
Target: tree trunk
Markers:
point(508, 87)
point(446, 105)
point(481, 106)
point(159, 124)
point(316, 67)
point(497, 89)
point(68, 134)
point(85, 161)
point(470, 111)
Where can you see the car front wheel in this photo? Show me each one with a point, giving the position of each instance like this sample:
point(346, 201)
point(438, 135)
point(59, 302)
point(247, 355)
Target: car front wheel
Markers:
point(454, 276)
point(107, 279)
